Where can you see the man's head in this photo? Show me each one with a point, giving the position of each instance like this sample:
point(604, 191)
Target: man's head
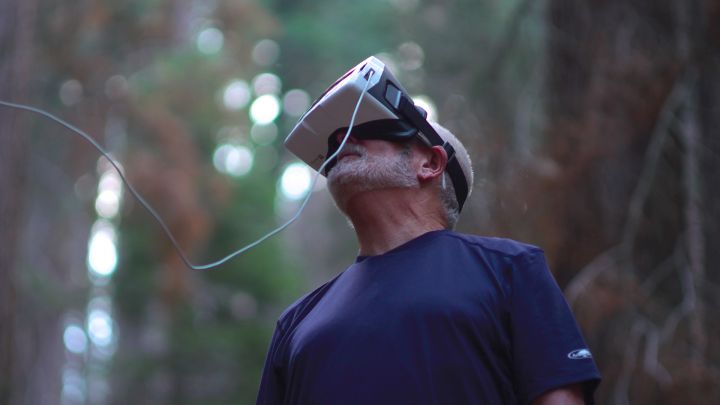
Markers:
point(408, 165)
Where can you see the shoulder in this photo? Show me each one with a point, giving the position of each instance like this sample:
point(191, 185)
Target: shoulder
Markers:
point(500, 247)
point(303, 305)
point(506, 262)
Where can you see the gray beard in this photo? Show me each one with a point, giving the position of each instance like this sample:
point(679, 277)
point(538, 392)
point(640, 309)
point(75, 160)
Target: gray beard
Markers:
point(354, 175)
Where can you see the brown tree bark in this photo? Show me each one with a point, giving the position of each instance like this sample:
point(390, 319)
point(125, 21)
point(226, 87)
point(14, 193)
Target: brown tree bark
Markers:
point(15, 48)
point(632, 126)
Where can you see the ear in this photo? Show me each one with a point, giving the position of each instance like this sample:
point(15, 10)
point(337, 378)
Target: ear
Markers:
point(433, 163)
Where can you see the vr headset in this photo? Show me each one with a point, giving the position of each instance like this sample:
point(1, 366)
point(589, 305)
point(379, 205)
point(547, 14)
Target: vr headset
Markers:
point(386, 112)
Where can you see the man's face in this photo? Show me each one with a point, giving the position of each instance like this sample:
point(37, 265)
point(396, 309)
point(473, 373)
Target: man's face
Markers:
point(370, 164)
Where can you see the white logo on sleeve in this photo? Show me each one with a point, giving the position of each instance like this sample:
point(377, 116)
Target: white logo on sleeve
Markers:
point(580, 354)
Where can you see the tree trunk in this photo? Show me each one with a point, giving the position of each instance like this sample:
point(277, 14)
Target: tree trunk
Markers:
point(15, 49)
point(635, 206)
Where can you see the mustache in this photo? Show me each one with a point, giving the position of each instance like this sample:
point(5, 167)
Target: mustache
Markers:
point(348, 149)
point(352, 148)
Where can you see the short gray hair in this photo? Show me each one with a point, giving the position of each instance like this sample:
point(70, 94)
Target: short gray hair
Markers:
point(447, 190)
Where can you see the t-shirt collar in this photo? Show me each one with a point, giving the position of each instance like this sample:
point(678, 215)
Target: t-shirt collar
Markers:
point(404, 246)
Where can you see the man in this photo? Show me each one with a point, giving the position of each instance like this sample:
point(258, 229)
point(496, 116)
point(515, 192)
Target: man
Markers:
point(425, 315)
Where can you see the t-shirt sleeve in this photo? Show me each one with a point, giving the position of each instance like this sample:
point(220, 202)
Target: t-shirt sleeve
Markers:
point(272, 389)
point(548, 349)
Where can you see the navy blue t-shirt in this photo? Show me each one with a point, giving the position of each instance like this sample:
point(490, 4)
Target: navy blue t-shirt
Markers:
point(446, 318)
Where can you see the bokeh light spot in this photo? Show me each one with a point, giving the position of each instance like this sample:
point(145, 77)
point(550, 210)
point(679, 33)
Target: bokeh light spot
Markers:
point(210, 41)
point(116, 87)
point(295, 181)
point(234, 160)
point(71, 92)
point(428, 105)
point(236, 95)
point(107, 204)
point(265, 52)
point(266, 83)
point(296, 102)
point(100, 327)
point(412, 56)
point(74, 387)
point(102, 251)
point(74, 339)
point(265, 109)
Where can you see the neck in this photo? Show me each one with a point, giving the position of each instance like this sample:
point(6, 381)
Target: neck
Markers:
point(385, 219)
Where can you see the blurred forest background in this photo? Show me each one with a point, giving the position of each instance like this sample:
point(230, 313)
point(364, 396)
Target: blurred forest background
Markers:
point(594, 130)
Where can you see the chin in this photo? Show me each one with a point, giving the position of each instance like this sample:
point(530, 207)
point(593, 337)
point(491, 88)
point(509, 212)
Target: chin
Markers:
point(352, 176)
point(342, 189)
point(347, 172)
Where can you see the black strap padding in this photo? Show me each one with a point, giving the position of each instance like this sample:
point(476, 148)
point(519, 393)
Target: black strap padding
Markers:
point(410, 112)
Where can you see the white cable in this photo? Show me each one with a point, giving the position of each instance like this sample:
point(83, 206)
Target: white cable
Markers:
point(157, 217)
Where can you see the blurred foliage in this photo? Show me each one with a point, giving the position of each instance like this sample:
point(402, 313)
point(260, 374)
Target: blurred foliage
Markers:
point(590, 123)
